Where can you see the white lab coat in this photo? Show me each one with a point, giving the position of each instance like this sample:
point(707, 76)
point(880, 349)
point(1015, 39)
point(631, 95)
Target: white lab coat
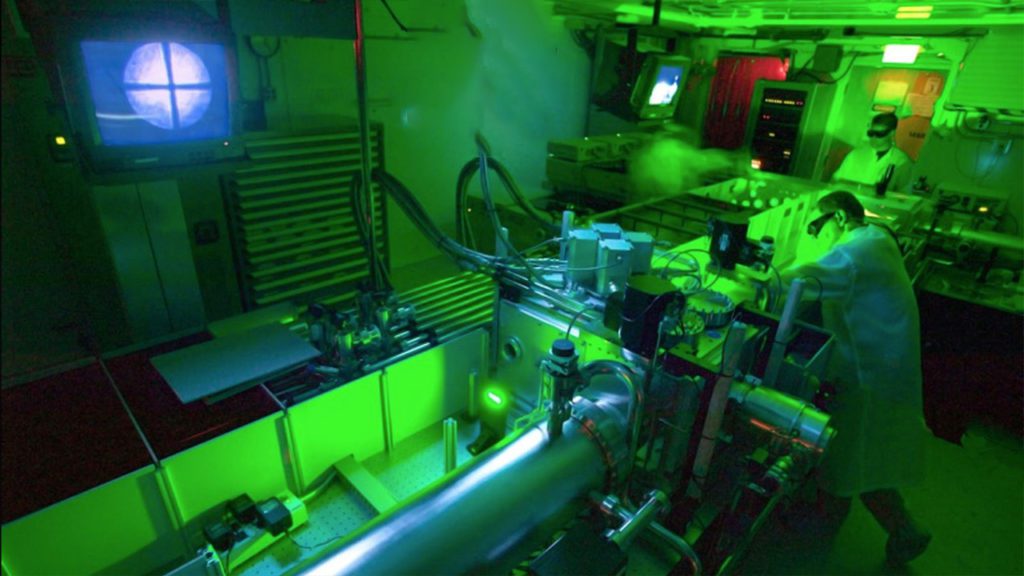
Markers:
point(868, 303)
point(863, 166)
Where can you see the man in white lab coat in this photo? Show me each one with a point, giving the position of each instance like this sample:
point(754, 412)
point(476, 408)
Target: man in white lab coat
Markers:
point(868, 302)
point(880, 165)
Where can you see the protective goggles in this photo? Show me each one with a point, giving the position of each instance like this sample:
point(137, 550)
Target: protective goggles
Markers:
point(815, 226)
point(879, 133)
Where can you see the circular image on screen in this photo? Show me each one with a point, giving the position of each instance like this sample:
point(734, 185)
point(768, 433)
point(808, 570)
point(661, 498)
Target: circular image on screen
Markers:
point(167, 85)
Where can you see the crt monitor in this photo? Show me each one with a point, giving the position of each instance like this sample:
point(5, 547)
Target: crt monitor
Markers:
point(659, 86)
point(159, 92)
point(161, 96)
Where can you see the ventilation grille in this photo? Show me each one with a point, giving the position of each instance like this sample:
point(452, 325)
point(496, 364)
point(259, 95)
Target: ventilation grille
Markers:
point(293, 229)
point(450, 307)
point(991, 79)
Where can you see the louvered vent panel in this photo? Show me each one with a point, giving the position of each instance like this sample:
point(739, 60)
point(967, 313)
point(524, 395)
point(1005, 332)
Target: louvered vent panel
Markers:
point(454, 305)
point(293, 228)
point(451, 306)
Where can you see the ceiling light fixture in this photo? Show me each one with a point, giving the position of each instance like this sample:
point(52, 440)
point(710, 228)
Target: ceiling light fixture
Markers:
point(901, 53)
point(913, 12)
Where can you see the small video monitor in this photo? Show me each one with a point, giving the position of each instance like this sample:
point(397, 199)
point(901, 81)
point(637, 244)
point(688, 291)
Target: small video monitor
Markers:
point(659, 85)
point(157, 92)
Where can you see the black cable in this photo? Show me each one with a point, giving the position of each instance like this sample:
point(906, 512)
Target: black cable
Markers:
point(665, 269)
point(484, 154)
point(836, 79)
point(393, 16)
point(568, 331)
point(314, 492)
point(469, 169)
point(359, 214)
point(465, 257)
point(849, 67)
point(718, 274)
point(701, 250)
point(677, 255)
point(314, 546)
point(412, 208)
point(651, 305)
point(263, 64)
point(578, 269)
point(804, 67)
point(461, 183)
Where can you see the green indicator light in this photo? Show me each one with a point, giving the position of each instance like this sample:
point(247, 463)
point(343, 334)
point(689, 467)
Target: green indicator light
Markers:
point(288, 320)
point(496, 398)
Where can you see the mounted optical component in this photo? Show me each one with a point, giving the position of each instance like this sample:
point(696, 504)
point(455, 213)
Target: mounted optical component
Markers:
point(901, 53)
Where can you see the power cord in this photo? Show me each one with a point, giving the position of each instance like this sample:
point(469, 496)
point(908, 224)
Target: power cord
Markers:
point(401, 26)
point(568, 331)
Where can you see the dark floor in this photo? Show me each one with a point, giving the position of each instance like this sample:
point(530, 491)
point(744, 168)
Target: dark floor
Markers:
point(972, 500)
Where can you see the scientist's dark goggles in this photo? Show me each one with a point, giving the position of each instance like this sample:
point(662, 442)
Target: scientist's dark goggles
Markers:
point(872, 133)
point(815, 226)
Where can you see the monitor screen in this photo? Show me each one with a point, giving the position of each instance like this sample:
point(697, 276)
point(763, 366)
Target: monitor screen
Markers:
point(659, 86)
point(157, 92)
point(665, 86)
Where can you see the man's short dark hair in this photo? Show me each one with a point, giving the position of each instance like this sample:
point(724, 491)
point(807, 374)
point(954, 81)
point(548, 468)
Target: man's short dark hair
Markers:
point(842, 200)
point(888, 119)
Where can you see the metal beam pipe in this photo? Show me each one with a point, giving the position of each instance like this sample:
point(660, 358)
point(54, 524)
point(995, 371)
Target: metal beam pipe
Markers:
point(639, 521)
point(611, 506)
point(795, 418)
point(474, 517)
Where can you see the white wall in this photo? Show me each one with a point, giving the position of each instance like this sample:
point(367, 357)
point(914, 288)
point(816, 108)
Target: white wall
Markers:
point(506, 68)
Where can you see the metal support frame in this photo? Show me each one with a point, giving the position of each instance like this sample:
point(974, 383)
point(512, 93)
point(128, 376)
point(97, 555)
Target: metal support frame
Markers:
point(293, 464)
point(364, 140)
point(385, 404)
point(170, 498)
